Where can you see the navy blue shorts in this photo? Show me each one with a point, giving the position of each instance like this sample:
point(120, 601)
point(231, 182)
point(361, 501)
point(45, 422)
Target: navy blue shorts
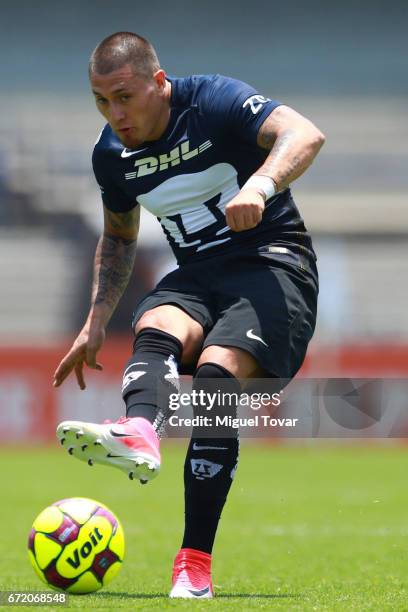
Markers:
point(262, 300)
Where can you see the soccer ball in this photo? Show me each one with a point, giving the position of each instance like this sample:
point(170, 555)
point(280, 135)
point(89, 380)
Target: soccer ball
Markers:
point(76, 545)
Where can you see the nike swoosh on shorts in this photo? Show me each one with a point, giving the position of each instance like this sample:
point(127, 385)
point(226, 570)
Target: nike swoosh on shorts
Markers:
point(250, 334)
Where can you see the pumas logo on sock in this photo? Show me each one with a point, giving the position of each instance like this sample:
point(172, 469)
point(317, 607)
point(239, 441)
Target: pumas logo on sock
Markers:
point(202, 468)
point(172, 376)
point(132, 376)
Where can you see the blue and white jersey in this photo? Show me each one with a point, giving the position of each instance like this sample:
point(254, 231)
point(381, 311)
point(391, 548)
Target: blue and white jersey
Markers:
point(207, 152)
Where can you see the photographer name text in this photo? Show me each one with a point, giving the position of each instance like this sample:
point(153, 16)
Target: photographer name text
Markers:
point(228, 421)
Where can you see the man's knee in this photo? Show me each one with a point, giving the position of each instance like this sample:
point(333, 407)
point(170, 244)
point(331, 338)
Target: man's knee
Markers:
point(154, 318)
point(178, 323)
point(236, 361)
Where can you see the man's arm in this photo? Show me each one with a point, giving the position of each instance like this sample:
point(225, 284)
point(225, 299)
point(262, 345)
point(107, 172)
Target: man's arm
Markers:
point(113, 265)
point(293, 142)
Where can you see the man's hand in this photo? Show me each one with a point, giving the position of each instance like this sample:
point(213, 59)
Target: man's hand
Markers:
point(84, 350)
point(245, 210)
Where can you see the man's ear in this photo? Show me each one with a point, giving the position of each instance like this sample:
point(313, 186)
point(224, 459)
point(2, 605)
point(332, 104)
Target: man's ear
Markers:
point(160, 78)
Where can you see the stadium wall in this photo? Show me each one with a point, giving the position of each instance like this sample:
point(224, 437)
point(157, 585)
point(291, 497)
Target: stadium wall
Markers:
point(30, 407)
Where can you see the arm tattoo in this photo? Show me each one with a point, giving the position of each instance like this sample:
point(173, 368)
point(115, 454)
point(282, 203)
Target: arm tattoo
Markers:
point(122, 221)
point(114, 261)
point(291, 151)
point(282, 162)
point(114, 258)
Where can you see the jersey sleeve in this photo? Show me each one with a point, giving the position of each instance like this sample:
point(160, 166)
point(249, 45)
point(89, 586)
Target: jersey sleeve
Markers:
point(236, 107)
point(112, 195)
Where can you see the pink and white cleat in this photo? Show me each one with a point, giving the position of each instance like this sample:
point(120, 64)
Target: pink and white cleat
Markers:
point(192, 575)
point(130, 444)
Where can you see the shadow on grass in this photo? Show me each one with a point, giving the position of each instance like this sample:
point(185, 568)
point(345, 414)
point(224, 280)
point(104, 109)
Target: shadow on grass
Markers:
point(217, 596)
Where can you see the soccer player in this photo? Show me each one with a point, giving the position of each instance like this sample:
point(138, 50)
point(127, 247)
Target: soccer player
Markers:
point(213, 160)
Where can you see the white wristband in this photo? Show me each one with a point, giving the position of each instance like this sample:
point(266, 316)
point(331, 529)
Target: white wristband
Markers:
point(262, 183)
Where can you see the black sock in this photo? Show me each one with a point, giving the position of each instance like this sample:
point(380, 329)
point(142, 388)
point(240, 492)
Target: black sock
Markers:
point(151, 375)
point(210, 463)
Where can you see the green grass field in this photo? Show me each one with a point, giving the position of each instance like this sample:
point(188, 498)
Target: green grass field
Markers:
point(305, 528)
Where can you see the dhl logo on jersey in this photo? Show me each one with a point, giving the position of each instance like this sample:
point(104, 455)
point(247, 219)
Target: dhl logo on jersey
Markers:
point(150, 165)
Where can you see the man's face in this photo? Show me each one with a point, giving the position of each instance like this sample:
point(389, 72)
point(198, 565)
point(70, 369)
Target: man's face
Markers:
point(136, 108)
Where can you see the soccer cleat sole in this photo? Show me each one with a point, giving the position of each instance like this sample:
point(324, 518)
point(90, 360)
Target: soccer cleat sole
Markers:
point(87, 444)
